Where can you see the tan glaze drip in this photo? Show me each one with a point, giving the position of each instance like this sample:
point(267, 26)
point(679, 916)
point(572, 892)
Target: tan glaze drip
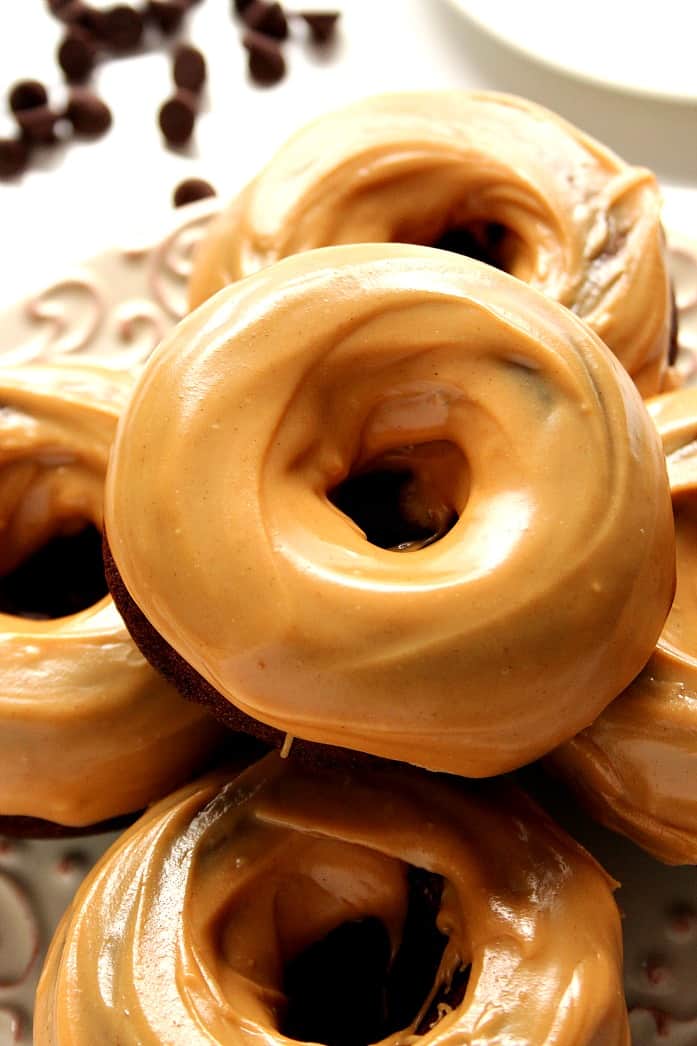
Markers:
point(181, 933)
point(473, 655)
point(87, 730)
point(635, 768)
point(578, 223)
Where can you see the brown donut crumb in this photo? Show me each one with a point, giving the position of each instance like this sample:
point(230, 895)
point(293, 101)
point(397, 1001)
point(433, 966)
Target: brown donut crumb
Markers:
point(191, 190)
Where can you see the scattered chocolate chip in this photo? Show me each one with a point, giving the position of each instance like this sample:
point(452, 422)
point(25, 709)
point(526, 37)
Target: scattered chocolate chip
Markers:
point(68, 10)
point(14, 155)
point(322, 24)
point(38, 125)
point(266, 62)
point(83, 16)
point(76, 56)
point(189, 68)
point(167, 15)
point(27, 94)
point(122, 27)
point(266, 18)
point(177, 116)
point(190, 190)
point(88, 114)
point(241, 5)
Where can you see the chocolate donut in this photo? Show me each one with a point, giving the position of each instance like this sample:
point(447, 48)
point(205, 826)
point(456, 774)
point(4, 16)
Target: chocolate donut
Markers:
point(528, 565)
point(88, 731)
point(635, 767)
point(338, 907)
point(489, 175)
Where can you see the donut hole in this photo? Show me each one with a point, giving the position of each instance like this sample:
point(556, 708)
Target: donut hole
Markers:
point(50, 535)
point(63, 576)
point(407, 498)
point(344, 991)
point(486, 241)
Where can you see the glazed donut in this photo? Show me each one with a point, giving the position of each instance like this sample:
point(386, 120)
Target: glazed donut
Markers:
point(193, 927)
point(534, 568)
point(635, 767)
point(490, 175)
point(88, 731)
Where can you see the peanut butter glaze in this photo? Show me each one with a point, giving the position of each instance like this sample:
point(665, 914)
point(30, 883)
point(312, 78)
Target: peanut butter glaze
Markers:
point(569, 216)
point(88, 730)
point(474, 654)
point(635, 767)
point(182, 932)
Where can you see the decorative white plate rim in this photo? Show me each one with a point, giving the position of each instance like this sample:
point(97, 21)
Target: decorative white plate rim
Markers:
point(631, 51)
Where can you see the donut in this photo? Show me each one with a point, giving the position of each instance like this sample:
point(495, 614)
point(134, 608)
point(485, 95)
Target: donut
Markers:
point(519, 567)
point(635, 767)
point(289, 904)
point(485, 174)
point(88, 731)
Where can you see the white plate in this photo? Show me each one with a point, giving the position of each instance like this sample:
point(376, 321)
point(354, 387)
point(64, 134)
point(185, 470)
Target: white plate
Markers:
point(117, 306)
point(641, 47)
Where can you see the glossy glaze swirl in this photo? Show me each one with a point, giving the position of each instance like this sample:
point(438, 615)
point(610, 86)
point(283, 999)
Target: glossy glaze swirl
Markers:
point(182, 933)
point(88, 730)
point(635, 768)
point(577, 223)
point(474, 654)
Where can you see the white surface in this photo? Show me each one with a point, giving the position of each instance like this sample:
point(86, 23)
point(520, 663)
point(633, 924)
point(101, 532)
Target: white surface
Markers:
point(86, 197)
point(644, 47)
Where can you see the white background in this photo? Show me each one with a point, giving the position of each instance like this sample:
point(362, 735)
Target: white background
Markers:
point(82, 198)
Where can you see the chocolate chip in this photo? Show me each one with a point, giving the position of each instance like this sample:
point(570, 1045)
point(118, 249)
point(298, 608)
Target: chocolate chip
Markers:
point(266, 62)
point(14, 155)
point(88, 114)
point(177, 116)
point(266, 18)
point(69, 10)
point(189, 68)
point(190, 190)
point(322, 24)
point(83, 16)
point(241, 5)
point(38, 125)
point(122, 27)
point(76, 56)
point(27, 94)
point(55, 6)
point(166, 14)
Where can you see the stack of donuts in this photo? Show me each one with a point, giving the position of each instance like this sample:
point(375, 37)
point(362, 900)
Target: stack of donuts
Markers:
point(400, 500)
